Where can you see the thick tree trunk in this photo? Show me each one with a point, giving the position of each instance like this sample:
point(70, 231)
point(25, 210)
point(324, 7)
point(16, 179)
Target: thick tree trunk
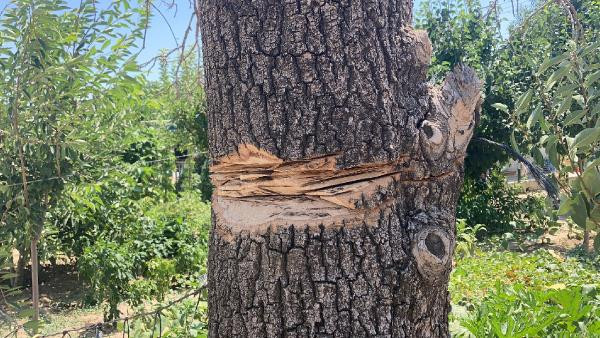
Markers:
point(336, 169)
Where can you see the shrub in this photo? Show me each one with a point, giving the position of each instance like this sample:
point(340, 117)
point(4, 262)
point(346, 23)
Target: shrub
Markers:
point(107, 267)
point(167, 247)
point(490, 201)
point(187, 319)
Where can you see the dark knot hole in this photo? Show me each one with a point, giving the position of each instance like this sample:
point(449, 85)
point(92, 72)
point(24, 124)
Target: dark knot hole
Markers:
point(428, 130)
point(435, 245)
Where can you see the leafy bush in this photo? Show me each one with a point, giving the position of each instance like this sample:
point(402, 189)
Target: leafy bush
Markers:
point(516, 311)
point(490, 201)
point(466, 243)
point(107, 267)
point(165, 248)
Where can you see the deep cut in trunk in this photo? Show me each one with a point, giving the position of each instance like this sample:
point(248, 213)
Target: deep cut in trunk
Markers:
point(336, 167)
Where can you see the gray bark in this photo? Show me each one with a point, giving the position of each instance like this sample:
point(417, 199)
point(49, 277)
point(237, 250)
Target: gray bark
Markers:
point(303, 79)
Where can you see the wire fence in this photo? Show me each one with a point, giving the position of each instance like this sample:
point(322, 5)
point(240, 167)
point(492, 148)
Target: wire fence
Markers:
point(106, 169)
point(97, 329)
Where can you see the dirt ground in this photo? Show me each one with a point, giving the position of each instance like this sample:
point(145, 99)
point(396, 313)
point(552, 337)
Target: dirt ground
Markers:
point(61, 299)
point(562, 241)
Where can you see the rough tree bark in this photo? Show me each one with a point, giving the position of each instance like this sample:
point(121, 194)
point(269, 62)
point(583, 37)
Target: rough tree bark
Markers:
point(336, 168)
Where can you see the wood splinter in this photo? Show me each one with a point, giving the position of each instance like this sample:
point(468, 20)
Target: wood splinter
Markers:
point(253, 172)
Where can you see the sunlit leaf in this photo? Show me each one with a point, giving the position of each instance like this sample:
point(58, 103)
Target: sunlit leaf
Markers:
point(535, 116)
point(551, 62)
point(586, 137)
point(557, 75)
point(523, 102)
point(591, 79)
point(574, 117)
point(501, 106)
point(513, 141)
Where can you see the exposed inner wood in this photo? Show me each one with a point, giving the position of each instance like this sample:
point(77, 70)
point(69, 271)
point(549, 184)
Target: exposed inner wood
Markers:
point(253, 172)
point(255, 215)
point(255, 189)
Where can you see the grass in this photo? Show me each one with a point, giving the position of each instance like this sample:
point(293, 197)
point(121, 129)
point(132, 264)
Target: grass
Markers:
point(473, 277)
point(538, 293)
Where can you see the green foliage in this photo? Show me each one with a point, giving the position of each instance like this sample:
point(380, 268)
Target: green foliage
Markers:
point(500, 293)
point(108, 268)
point(491, 202)
point(518, 312)
point(108, 207)
point(188, 319)
point(99, 144)
point(177, 101)
point(466, 244)
point(562, 114)
point(476, 275)
point(166, 247)
point(66, 80)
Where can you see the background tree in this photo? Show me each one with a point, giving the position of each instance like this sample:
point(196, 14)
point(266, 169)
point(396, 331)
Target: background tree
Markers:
point(557, 115)
point(179, 96)
point(146, 229)
point(337, 169)
point(61, 97)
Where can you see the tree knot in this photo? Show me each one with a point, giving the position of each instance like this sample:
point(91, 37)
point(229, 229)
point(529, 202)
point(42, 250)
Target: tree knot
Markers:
point(432, 249)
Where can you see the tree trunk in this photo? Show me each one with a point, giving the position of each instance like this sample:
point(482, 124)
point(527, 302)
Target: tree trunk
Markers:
point(586, 238)
point(35, 286)
point(336, 168)
point(19, 279)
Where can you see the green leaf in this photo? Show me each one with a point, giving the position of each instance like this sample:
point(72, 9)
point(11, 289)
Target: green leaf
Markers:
point(551, 151)
point(591, 79)
point(534, 117)
point(580, 100)
point(591, 179)
point(26, 313)
point(557, 75)
point(501, 106)
point(579, 211)
point(590, 48)
point(33, 325)
point(565, 105)
point(596, 109)
point(513, 142)
point(523, 102)
point(594, 163)
point(537, 155)
point(8, 275)
point(586, 137)
point(566, 90)
point(551, 62)
point(595, 214)
point(566, 206)
point(574, 118)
